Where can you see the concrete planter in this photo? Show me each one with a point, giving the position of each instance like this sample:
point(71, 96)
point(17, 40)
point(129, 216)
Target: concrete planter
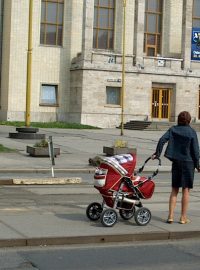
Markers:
point(111, 151)
point(41, 151)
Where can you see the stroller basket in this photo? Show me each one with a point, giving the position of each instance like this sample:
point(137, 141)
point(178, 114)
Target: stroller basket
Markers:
point(145, 187)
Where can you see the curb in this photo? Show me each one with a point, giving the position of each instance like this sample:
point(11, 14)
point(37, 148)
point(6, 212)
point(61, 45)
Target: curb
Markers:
point(96, 239)
point(41, 181)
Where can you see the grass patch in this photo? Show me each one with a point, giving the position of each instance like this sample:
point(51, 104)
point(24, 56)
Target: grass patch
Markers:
point(49, 125)
point(4, 149)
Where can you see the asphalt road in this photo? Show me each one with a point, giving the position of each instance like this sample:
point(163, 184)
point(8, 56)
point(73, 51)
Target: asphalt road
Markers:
point(179, 255)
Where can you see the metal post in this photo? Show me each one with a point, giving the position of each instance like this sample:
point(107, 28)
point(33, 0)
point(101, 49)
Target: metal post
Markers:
point(123, 68)
point(29, 66)
point(51, 155)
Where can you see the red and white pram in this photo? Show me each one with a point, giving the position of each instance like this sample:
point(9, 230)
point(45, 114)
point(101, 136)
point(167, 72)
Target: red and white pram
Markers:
point(121, 189)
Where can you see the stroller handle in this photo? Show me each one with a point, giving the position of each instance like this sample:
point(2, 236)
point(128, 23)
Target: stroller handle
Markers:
point(156, 171)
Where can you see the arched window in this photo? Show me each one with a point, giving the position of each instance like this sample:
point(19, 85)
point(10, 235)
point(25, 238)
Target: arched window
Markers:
point(103, 28)
point(153, 27)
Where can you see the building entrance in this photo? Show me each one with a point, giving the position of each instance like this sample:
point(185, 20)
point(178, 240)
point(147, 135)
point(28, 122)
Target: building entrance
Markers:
point(161, 103)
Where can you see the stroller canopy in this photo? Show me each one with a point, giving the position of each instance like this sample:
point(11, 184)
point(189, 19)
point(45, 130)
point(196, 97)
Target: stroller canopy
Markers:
point(124, 164)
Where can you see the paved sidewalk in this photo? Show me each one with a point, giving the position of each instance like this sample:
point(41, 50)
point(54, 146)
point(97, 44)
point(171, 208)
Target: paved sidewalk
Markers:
point(26, 222)
point(31, 220)
point(76, 146)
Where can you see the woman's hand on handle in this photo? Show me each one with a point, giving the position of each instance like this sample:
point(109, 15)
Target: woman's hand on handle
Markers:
point(153, 156)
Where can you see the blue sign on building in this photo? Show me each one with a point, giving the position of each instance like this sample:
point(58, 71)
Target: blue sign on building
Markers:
point(195, 46)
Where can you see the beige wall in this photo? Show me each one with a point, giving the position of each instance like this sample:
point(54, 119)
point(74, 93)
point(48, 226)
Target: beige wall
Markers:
point(138, 91)
point(49, 64)
point(172, 28)
point(130, 9)
point(82, 84)
point(5, 80)
point(99, 73)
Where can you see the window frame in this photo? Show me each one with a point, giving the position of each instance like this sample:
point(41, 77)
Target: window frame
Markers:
point(194, 17)
point(110, 31)
point(161, 102)
point(119, 88)
point(56, 104)
point(46, 24)
point(199, 105)
point(157, 34)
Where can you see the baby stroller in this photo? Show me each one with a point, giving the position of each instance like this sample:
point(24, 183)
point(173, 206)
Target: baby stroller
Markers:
point(121, 190)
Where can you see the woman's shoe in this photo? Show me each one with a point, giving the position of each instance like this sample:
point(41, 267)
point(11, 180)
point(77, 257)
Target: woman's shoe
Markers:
point(184, 221)
point(170, 220)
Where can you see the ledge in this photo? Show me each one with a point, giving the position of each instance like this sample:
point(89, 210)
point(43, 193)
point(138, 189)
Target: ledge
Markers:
point(41, 151)
point(111, 151)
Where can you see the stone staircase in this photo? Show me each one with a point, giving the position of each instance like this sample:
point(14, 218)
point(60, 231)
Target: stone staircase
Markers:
point(137, 125)
point(147, 125)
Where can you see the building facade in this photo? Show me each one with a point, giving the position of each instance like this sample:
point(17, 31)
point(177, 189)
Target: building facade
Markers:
point(77, 55)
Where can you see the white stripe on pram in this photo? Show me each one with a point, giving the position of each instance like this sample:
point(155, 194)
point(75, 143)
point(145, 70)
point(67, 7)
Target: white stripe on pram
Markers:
point(116, 166)
point(116, 160)
point(123, 158)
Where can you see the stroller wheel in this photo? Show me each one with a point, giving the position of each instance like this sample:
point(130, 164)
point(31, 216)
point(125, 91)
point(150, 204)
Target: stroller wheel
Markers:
point(127, 214)
point(93, 211)
point(109, 217)
point(142, 216)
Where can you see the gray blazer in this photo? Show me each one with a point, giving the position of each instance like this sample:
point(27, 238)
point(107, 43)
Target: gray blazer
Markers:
point(182, 144)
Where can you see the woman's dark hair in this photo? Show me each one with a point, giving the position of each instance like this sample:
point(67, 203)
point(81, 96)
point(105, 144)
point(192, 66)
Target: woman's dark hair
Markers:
point(184, 118)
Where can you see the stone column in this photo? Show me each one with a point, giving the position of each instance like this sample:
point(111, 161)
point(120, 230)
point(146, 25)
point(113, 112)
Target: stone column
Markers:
point(139, 31)
point(1, 24)
point(87, 38)
point(186, 33)
point(119, 26)
point(172, 28)
point(1, 41)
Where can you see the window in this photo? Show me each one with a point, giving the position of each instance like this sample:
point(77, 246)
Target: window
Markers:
point(196, 13)
point(153, 27)
point(103, 28)
point(51, 22)
point(113, 95)
point(199, 105)
point(49, 95)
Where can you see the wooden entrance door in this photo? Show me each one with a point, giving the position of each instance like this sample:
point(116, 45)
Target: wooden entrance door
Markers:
point(160, 103)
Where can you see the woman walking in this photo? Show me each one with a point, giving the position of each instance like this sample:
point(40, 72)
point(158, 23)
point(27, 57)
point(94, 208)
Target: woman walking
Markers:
point(183, 151)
